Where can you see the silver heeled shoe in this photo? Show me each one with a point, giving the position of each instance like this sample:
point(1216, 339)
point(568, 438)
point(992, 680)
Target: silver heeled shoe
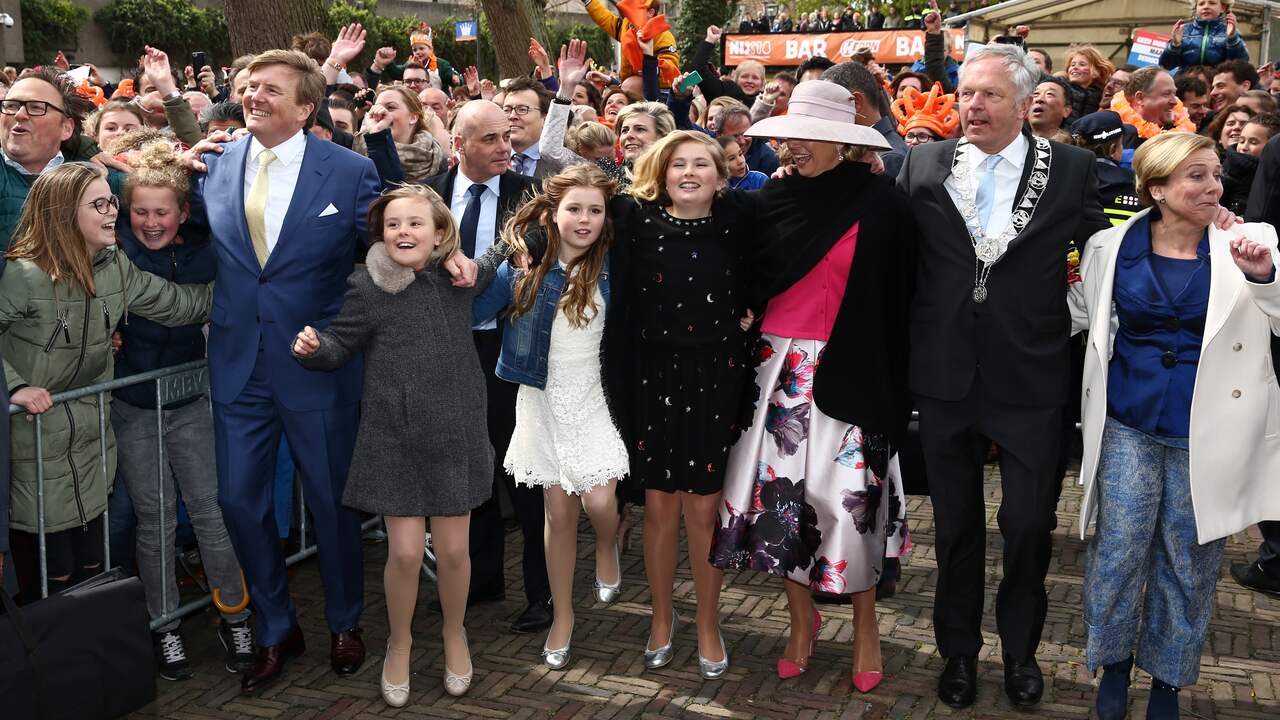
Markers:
point(455, 684)
point(605, 592)
point(393, 694)
point(714, 670)
point(558, 659)
point(654, 659)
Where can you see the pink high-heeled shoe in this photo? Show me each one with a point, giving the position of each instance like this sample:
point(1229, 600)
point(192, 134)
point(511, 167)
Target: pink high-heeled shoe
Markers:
point(788, 668)
point(867, 681)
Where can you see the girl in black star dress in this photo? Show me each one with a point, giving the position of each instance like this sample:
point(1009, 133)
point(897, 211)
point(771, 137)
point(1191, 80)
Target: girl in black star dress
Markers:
point(689, 243)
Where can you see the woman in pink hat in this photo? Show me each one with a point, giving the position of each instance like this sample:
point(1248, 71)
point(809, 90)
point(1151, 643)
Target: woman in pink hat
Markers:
point(812, 490)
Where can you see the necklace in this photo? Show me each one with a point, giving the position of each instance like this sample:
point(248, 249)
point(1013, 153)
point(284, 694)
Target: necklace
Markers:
point(988, 251)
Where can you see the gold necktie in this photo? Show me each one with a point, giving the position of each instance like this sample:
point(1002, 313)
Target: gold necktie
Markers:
point(255, 208)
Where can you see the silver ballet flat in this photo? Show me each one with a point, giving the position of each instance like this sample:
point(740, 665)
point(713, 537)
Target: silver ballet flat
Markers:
point(714, 670)
point(605, 592)
point(654, 659)
point(557, 659)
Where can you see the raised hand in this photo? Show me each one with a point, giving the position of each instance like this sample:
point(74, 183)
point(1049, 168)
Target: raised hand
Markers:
point(933, 19)
point(572, 63)
point(155, 66)
point(384, 57)
point(541, 60)
point(771, 92)
point(306, 343)
point(714, 33)
point(472, 76)
point(488, 90)
point(1178, 27)
point(1231, 25)
point(60, 62)
point(1253, 259)
point(349, 44)
point(208, 83)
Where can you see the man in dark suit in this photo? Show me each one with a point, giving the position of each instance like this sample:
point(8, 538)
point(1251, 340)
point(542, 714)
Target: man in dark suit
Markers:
point(999, 211)
point(483, 192)
point(286, 212)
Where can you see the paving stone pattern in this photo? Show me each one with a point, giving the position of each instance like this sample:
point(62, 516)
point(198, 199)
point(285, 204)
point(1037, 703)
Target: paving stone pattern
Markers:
point(1240, 677)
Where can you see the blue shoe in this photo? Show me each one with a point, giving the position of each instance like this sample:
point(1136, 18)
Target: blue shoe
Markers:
point(1113, 691)
point(1163, 704)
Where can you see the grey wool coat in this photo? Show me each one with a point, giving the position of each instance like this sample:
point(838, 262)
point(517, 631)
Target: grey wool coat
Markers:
point(422, 449)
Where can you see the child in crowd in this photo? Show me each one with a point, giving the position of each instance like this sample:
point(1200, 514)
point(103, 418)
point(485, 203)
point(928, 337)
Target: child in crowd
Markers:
point(1209, 38)
point(593, 141)
point(560, 345)
point(157, 240)
point(1240, 164)
point(740, 177)
point(63, 292)
point(422, 449)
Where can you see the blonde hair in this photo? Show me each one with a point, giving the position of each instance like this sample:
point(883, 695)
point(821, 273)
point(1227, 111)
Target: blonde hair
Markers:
point(48, 232)
point(752, 65)
point(310, 82)
point(449, 240)
point(724, 102)
point(650, 183)
point(663, 121)
point(136, 139)
point(156, 165)
point(411, 102)
point(583, 272)
point(94, 118)
point(1102, 67)
point(1158, 158)
point(589, 136)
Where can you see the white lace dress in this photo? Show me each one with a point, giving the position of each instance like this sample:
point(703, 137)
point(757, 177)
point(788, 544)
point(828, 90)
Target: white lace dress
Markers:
point(564, 436)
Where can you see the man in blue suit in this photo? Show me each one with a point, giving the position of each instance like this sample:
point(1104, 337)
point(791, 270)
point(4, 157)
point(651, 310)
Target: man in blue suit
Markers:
point(286, 212)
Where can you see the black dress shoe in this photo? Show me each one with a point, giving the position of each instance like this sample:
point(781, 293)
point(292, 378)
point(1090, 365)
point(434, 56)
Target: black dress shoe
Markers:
point(346, 651)
point(1251, 576)
point(473, 600)
point(958, 684)
point(1023, 682)
point(534, 618)
point(270, 662)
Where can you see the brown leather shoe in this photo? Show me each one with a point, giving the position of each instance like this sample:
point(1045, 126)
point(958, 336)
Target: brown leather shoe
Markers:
point(269, 663)
point(346, 651)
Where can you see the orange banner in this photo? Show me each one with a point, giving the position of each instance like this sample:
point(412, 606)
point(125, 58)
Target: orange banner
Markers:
point(891, 47)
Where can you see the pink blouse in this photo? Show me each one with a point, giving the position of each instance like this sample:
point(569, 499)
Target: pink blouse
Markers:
point(807, 310)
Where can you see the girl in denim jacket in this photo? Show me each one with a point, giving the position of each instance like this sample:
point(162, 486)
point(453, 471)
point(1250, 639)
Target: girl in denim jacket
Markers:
point(1209, 38)
point(557, 344)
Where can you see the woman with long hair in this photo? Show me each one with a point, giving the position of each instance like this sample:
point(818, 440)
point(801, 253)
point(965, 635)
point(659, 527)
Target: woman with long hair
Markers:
point(1088, 71)
point(1225, 128)
point(64, 290)
point(416, 136)
point(561, 344)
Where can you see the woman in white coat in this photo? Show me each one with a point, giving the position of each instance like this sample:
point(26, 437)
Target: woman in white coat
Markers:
point(1181, 417)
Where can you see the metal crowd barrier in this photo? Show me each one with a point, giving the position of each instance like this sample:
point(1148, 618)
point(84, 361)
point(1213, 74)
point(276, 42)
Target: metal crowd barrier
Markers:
point(172, 384)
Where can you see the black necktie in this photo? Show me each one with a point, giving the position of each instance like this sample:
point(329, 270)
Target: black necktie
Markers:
point(471, 220)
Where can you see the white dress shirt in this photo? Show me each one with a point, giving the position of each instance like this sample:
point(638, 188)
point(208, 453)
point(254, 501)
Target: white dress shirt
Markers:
point(487, 228)
point(282, 174)
point(1008, 175)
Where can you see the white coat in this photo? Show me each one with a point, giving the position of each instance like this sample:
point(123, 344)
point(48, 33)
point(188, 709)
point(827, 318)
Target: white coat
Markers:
point(1235, 408)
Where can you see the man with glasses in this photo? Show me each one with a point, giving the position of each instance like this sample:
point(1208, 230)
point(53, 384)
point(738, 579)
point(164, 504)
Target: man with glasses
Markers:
point(415, 76)
point(526, 104)
point(39, 129)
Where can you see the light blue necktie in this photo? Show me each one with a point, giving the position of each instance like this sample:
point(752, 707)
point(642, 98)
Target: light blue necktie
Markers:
point(987, 191)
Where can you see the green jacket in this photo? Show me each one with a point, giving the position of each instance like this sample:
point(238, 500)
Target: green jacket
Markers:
point(55, 337)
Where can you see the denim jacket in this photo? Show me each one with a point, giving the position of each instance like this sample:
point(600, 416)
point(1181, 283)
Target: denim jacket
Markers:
point(1204, 42)
point(526, 340)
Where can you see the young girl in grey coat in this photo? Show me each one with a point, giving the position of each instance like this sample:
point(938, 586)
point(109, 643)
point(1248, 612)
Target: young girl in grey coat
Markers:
point(422, 449)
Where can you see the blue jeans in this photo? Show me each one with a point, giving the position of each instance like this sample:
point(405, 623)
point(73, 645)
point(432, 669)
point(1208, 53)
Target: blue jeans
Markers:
point(1148, 580)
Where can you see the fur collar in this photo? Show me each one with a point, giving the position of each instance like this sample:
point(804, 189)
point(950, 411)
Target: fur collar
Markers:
point(389, 276)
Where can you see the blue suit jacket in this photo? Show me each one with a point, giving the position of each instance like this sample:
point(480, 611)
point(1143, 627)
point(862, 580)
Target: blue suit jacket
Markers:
point(303, 281)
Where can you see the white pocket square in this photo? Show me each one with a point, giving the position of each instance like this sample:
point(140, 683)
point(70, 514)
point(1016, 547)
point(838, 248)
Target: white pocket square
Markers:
point(330, 210)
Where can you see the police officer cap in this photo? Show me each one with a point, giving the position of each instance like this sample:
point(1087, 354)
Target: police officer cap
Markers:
point(1098, 127)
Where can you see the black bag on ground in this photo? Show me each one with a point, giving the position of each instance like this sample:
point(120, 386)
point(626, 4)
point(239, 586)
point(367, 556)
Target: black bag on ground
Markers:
point(82, 654)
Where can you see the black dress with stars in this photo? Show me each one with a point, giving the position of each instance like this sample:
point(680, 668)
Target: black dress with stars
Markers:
point(689, 290)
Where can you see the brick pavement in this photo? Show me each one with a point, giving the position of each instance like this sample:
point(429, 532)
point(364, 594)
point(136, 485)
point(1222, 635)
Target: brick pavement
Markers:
point(1240, 677)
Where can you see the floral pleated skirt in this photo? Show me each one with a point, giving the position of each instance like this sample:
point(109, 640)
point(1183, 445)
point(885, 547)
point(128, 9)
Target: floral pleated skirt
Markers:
point(808, 497)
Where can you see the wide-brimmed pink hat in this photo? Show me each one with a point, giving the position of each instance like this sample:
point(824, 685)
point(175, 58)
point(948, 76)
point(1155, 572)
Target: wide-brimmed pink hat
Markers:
point(823, 111)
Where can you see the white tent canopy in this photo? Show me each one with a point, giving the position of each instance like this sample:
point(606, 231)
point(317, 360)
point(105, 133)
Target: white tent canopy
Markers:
point(1108, 24)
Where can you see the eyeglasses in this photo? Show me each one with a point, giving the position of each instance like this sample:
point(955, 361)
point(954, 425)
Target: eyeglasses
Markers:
point(918, 138)
point(105, 205)
point(415, 82)
point(520, 110)
point(35, 108)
